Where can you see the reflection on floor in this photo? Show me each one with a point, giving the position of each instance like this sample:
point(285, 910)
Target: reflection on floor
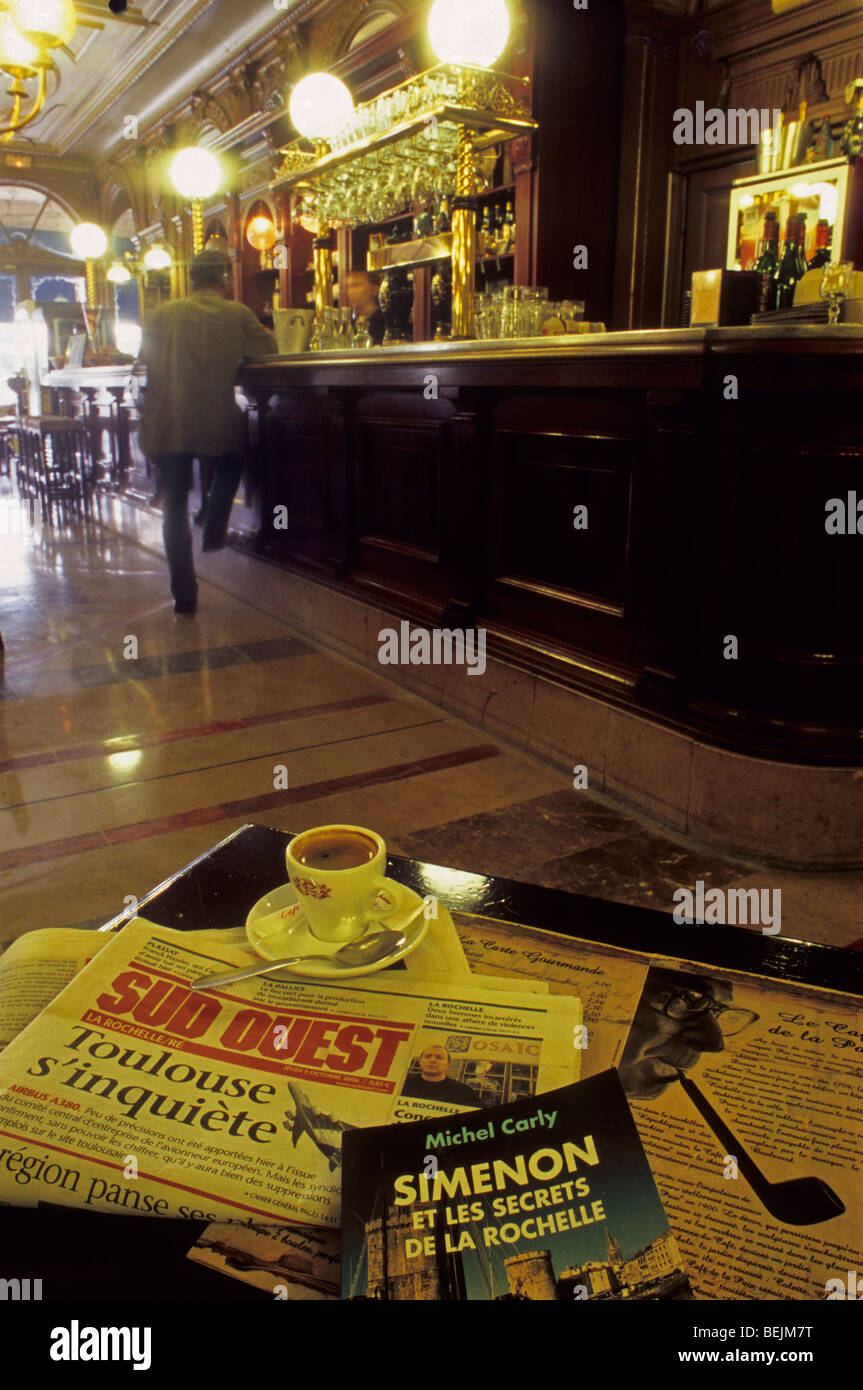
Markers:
point(132, 739)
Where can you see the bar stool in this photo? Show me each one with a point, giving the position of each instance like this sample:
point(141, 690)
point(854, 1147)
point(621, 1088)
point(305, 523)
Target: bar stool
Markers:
point(9, 445)
point(54, 462)
point(10, 425)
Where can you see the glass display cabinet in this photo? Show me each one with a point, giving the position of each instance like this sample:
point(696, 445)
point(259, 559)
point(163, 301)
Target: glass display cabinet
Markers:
point(830, 191)
point(422, 142)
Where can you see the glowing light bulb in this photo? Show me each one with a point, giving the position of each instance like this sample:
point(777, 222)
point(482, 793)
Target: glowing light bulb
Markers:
point(261, 234)
point(118, 274)
point(157, 258)
point(47, 23)
point(320, 105)
point(17, 54)
point(88, 241)
point(195, 173)
point(469, 31)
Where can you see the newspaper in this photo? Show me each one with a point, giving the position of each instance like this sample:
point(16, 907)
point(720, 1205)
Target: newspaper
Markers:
point(133, 1092)
point(35, 968)
point(787, 1085)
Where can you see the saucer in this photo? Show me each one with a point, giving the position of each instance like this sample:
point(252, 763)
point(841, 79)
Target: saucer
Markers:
point(277, 929)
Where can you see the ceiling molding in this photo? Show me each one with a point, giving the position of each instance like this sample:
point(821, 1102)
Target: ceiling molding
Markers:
point(168, 22)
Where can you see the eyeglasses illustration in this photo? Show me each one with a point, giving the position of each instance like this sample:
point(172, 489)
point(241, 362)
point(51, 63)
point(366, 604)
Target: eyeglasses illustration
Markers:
point(690, 1003)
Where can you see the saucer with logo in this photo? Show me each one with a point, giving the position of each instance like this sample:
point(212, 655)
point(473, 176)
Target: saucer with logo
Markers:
point(338, 892)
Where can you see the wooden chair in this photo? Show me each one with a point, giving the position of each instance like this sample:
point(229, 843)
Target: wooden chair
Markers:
point(54, 465)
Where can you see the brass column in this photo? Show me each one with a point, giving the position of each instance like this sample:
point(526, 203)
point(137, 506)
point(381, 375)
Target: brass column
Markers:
point(322, 256)
point(464, 240)
point(197, 226)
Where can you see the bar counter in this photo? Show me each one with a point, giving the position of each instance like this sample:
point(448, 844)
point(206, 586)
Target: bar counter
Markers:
point(439, 484)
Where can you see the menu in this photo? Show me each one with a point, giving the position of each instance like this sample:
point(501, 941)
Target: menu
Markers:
point(779, 1064)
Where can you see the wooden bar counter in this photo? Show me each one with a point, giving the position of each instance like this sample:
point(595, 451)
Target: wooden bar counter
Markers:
point(440, 483)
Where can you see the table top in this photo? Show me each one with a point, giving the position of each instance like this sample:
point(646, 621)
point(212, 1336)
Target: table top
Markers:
point(93, 1254)
point(219, 888)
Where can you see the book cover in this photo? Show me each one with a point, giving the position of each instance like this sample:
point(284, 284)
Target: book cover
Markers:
point(550, 1197)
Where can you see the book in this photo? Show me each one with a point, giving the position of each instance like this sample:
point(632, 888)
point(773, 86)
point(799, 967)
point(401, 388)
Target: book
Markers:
point(550, 1198)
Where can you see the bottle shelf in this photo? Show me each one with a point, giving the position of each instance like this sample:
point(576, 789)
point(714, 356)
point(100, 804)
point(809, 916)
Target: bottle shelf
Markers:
point(491, 193)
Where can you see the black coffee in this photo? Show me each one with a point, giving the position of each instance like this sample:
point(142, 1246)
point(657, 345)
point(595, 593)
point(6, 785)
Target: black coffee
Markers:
point(338, 849)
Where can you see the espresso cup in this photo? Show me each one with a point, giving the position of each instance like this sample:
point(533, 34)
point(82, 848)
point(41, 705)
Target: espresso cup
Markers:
point(337, 871)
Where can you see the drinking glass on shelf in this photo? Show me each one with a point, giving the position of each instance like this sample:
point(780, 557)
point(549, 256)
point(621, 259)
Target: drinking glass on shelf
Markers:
point(482, 304)
point(383, 114)
point(836, 285)
point(572, 311)
point(363, 340)
point(562, 316)
point(331, 329)
point(535, 299)
point(511, 309)
point(399, 102)
point(344, 330)
point(551, 319)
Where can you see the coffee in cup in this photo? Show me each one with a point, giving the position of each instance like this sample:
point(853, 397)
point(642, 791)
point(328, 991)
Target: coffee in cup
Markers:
point(337, 871)
point(335, 849)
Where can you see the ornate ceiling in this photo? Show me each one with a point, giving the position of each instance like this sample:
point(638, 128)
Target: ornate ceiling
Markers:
point(138, 66)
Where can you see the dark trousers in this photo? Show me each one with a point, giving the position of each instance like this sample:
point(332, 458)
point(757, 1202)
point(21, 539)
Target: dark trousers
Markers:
point(175, 483)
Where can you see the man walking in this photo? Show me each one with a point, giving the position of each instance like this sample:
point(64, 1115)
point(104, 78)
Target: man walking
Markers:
point(192, 349)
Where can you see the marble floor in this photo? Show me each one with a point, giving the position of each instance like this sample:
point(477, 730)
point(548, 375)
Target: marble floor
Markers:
point(132, 739)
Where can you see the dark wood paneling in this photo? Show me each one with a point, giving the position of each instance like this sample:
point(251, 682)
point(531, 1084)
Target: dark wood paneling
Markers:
point(577, 70)
point(401, 479)
point(398, 487)
point(302, 451)
point(539, 481)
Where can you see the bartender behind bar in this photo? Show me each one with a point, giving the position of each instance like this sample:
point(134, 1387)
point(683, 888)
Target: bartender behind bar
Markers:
point(363, 288)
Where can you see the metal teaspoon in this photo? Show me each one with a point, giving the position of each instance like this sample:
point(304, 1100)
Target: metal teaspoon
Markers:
point(353, 953)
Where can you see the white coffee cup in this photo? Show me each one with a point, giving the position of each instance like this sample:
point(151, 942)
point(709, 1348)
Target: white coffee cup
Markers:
point(337, 872)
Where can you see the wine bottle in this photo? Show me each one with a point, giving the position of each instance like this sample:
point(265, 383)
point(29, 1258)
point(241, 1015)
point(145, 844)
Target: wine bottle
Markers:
point(444, 222)
point(801, 245)
point(509, 225)
point(486, 234)
point(497, 227)
point(788, 269)
point(821, 255)
point(767, 264)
